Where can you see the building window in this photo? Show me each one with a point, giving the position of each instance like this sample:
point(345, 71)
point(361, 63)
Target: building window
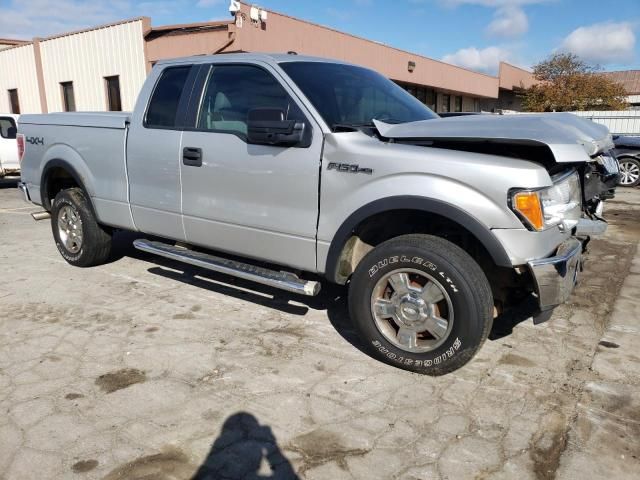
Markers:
point(457, 103)
point(431, 99)
point(13, 101)
point(113, 93)
point(68, 98)
point(446, 103)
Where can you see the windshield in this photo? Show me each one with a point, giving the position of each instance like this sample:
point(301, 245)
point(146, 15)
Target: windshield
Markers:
point(347, 95)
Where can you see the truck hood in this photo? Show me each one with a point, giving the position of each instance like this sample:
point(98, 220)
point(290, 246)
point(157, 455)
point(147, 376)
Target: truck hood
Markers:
point(569, 137)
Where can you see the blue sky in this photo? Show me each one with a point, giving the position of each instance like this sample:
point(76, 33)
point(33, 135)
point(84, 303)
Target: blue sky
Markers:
point(472, 33)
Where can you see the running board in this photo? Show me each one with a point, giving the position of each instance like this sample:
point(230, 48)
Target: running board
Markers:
point(282, 280)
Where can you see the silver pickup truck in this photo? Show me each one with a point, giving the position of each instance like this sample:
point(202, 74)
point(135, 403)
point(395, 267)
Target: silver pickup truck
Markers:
point(315, 169)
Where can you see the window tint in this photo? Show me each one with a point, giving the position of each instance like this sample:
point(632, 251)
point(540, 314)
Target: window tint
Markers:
point(165, 99)
point(350, 95)
point(233, 90)
point(7, 128)
point(68, 97)
point(113, 93)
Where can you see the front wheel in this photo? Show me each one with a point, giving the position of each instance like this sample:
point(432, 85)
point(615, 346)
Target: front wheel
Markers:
point(80, 239)
point(421, 303)
point(629, 172)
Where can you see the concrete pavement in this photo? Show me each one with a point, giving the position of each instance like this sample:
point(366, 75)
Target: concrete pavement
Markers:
point(144, 368)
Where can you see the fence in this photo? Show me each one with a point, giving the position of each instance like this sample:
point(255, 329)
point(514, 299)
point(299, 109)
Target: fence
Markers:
point(625, 122)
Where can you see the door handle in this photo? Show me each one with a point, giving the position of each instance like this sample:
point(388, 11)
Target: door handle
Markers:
point(192, 157)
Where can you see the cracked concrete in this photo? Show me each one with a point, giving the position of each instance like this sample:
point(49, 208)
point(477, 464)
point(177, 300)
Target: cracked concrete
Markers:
point(145, 369)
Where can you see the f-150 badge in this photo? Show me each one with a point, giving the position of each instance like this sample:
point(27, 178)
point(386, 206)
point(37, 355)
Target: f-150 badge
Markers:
point(349, 168)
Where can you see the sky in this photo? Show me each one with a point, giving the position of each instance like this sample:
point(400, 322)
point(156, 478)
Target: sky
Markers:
point(475, 34)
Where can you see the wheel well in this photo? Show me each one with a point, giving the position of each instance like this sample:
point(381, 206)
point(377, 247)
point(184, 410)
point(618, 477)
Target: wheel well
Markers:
point(378, 228)
point(55, 180)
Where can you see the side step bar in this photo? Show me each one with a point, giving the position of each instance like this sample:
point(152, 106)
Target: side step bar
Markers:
point(282, 280)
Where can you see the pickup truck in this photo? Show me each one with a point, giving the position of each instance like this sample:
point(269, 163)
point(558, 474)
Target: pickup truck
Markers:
point(9, 164)
point(289, 170)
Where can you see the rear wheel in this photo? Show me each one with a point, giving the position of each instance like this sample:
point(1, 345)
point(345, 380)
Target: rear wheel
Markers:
point(629, 172)
point(80, 239)
point(421, 303)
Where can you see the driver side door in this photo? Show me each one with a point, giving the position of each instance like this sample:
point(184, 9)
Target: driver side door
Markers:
point(256, 201)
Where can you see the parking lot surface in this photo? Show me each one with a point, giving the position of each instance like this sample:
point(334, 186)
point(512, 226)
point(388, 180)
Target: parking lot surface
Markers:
point(145, 368)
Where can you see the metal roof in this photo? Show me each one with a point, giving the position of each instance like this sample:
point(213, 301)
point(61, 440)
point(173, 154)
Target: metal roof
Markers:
point(629, 79)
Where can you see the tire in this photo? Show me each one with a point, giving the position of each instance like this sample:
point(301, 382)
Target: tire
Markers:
point(442, 285)
point(629, 172)
point(81, 241)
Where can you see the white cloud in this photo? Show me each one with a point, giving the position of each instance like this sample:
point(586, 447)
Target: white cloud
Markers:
point(509, 19)
point(484, 60)
point(492, 3)
point(29, 18)
point(602, 43)
point(508, 22)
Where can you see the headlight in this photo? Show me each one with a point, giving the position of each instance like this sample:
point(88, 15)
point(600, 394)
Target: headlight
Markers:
point(560, 203)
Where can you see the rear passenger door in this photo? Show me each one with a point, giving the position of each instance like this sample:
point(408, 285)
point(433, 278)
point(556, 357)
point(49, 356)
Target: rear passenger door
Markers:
point(254, 200)
point(154, 152)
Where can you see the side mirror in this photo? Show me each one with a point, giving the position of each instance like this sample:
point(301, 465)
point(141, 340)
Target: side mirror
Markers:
point(12, 132)
point(267, 126)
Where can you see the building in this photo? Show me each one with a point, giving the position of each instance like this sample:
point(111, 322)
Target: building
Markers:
point(103, 68)
point(630, 81)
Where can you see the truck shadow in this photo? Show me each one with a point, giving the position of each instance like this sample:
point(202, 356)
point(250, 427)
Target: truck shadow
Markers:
point(332, 298)
point(9, 182)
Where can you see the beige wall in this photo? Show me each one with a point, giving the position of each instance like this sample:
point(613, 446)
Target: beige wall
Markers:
point(183, 45)
point(85, 58)
point(282, 33)
point(18, 69)
point(511, 77)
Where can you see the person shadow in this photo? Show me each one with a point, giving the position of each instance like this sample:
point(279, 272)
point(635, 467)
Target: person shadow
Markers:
point(245, 450)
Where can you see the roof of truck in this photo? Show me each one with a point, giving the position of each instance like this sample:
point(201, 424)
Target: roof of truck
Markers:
point(265, 57)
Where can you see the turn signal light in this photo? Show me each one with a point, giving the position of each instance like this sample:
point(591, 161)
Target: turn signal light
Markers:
point(529, 206)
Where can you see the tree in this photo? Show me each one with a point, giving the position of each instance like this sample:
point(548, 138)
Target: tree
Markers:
point(567, 83)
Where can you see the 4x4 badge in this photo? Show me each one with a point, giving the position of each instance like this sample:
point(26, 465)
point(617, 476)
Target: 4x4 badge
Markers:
point(35, 140)
point(349, 168)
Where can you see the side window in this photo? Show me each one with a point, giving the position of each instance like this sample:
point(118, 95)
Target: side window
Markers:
point(231, 91)
point(8, 128)
point(165, 98)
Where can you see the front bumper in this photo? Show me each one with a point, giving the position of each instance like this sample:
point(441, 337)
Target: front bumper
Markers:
point(556, 276)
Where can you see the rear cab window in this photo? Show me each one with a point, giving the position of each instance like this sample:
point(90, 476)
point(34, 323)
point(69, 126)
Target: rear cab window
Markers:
point(8, 129)
point(163, 110)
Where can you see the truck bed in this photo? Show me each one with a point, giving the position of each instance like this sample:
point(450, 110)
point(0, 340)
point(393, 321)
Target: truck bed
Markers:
point(79, 119)
point(92, 144)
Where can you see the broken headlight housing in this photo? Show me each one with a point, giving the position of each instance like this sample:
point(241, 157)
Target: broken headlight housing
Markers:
point(559, 204)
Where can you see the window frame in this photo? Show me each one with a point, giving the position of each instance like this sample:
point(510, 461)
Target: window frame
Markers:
point(446, 96)
point(12, 105)
point(199, 90)
point(183, 102)
point(108, 92)
point(455, 103)
point(65, 98)
point(13, 123)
